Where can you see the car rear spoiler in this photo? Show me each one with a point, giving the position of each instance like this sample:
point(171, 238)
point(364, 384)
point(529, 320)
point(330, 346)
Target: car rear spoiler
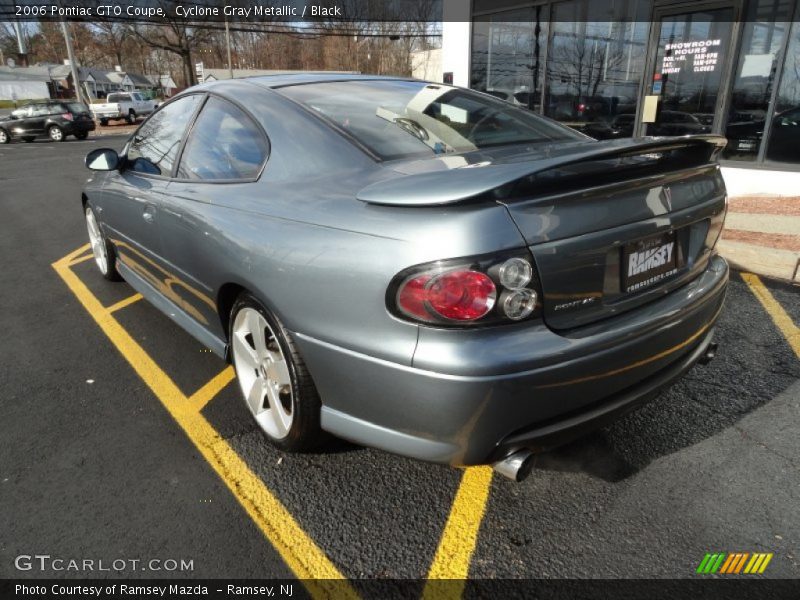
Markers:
point(453, 186)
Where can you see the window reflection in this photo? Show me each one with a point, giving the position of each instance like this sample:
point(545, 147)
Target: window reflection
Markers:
point(784, 137)
point(155, 145)
point(763, 35)
point(595, 64)
point(507, 55)
point(692, 49)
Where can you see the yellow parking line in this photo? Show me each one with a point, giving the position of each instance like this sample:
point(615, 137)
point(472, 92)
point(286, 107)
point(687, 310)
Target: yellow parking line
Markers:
point(297, 549)
point(779, 316)
point(80, 259)
point(125, 302)
point(453, 556)
point(74, 254)
point(203, 396)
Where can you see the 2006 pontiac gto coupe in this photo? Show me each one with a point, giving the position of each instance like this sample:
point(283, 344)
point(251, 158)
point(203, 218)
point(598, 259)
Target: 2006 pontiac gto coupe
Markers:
point(414, 266)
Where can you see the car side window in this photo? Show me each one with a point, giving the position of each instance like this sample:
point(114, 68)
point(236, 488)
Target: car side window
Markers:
point(155, 145)
point(41, 110)
point(224, 144)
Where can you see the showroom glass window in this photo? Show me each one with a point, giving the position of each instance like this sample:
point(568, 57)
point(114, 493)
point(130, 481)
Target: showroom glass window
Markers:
point(508, 55)
point(224, 144)
point(595, 64)
point(784, 136)
point(155, 145)
point(763, 35)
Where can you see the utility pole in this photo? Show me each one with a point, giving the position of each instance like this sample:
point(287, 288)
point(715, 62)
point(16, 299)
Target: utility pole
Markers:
point(22, 55)
point(76, 83)
point(228, 43)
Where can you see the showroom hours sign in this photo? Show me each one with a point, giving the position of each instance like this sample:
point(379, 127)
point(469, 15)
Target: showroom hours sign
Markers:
point(698, 56)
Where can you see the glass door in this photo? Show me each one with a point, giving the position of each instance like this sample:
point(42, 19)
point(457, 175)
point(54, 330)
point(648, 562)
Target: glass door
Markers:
point(690, 57)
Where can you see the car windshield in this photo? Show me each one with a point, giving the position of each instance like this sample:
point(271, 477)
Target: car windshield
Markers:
point(77, 107)
point(398, 119)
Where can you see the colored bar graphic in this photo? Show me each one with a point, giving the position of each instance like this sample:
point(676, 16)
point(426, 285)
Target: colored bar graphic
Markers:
point(718, 564)
point(767, 558)
point(727, 564)
point(736, 569)
point(734, 563)
point(703, 563)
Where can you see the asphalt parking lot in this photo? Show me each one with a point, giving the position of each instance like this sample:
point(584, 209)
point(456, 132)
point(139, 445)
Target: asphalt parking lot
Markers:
point(125, 438)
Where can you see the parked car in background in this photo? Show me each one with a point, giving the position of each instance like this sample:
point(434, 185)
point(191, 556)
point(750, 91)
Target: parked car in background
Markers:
point(416, 266)
point(676, 122)
point(54, 119)
point(123, 105)
point(620, 126)
point(784, 142)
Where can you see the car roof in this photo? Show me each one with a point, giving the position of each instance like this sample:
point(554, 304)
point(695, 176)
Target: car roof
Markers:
point(303, 77)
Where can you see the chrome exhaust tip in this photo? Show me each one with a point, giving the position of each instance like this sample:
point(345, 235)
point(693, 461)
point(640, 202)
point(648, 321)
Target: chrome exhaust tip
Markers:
point(516, 466)
point(709, 354)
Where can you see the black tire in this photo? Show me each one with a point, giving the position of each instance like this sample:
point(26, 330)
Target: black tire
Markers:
point(131, 118)
point(55, 133)
point(82, 135)
point(111, 273)
point(305, 433)
point(28, 139)
point(5, 137)
point(103, 122)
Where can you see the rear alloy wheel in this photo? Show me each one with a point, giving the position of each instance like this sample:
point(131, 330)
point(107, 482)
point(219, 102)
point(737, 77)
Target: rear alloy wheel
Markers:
point(55, 134)
point(131, 118)
point(274, 381)
point(104, 254)
point(103, 122)
point(4, 137)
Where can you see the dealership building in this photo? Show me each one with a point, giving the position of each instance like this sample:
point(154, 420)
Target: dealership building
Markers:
point(623, 68)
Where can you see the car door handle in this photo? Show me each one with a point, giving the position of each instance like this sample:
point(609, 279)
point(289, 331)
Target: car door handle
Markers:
point(149, 213)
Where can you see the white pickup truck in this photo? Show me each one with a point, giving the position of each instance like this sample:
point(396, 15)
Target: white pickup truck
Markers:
point(123, 105)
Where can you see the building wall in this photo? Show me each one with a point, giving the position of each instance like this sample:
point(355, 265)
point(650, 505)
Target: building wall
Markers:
point(23, 90)
point(456, 33)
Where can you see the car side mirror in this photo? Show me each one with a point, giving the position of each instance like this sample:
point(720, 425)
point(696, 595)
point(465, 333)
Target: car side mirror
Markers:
point(102, 159)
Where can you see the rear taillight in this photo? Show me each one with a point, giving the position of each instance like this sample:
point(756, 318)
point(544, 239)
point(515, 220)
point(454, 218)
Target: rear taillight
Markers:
point(454, 295)
point(67, 116)
point(470, 291)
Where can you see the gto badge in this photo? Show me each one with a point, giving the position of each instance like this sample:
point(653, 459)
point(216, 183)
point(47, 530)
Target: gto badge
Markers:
point(576, 303)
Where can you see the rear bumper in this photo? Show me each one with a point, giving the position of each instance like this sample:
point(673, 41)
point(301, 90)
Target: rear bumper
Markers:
point(472, 396)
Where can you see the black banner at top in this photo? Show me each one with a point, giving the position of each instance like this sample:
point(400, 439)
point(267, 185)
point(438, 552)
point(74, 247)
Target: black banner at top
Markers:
point(164, 12)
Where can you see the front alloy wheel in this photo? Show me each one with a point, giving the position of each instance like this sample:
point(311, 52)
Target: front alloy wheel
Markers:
point(4, 139)
point(275, 384)
point(103, 252)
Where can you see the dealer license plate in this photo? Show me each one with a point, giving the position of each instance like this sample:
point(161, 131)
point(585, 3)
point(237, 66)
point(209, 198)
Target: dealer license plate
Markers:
point(648, 261)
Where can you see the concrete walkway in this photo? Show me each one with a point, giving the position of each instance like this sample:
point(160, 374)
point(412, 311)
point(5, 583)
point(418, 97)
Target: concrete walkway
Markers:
point(762, 235)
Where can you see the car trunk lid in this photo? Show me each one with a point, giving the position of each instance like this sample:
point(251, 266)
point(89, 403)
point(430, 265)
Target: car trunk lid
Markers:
point(611, 225)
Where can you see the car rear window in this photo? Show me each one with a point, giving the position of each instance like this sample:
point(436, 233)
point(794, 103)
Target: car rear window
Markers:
point(77, 107)
point(398, 119)
point(118, 98)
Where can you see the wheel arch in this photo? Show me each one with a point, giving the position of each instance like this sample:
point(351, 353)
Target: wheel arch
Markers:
point(227, 295)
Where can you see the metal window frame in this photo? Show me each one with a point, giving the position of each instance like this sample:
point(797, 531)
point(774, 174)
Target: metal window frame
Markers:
point(770, 116)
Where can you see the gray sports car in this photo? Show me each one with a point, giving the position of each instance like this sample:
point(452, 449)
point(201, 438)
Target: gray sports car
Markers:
point(414, 266)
